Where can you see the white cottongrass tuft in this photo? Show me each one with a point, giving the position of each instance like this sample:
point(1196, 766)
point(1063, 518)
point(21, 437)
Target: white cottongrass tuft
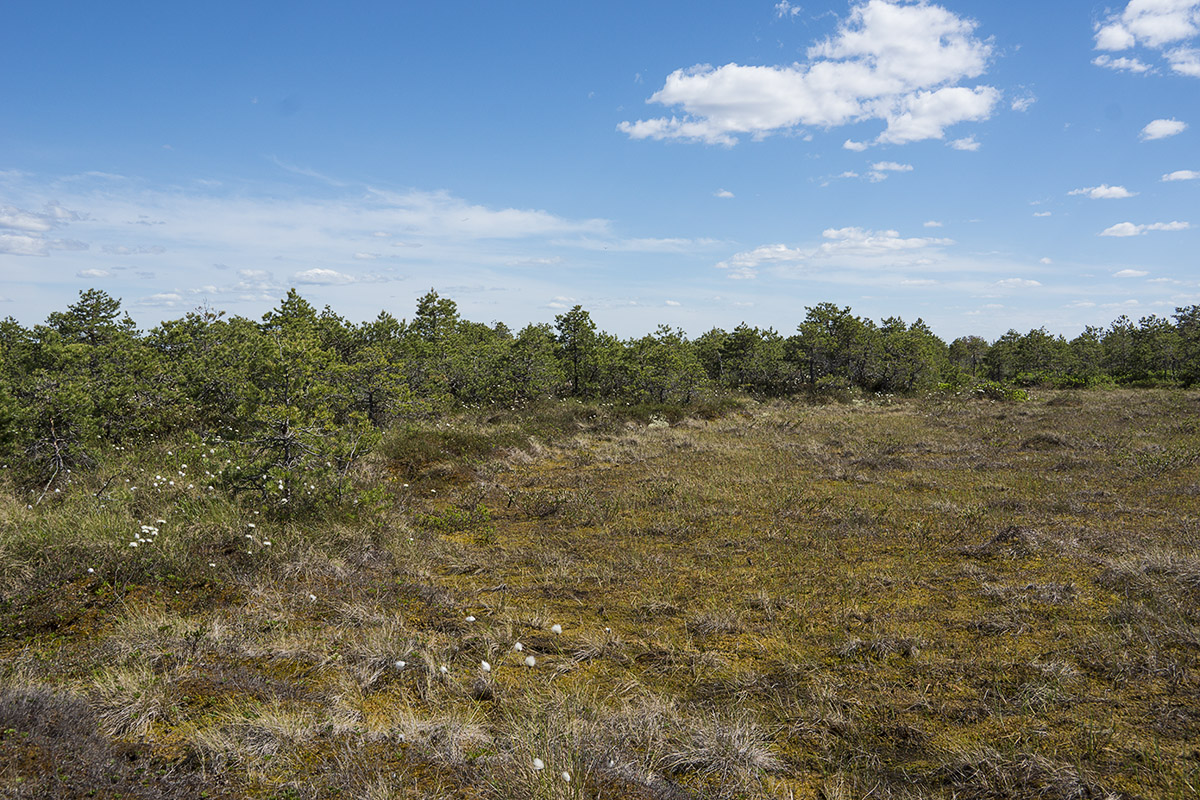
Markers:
point(556, 628)
point(518, 647)
point(401, 664)
point(566, 776)
point(530, 661)
point(312, 598)
point(538, 764)
point(485, 666)
point(470, 618)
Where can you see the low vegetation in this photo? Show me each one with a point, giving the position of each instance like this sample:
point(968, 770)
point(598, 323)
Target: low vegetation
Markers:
point(257, 560)
point(928, 597)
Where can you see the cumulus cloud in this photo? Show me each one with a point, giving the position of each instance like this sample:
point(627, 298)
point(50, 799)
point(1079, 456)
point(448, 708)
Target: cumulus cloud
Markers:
point(1104, 192)
point(968, 143)
point(92, 273)
point(1131, 273)
point(1162, 128)
point(1017, 283)
point(857, 147)
point(1129, 229)
point(933, 223)
point(1181, 175)
point(1043, 213)
point(845, 245)
point(1168, 26)
point(899, 63)
point(723, 193)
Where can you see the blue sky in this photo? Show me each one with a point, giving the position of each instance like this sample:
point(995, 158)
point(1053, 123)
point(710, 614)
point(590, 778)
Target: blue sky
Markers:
point(980, 165)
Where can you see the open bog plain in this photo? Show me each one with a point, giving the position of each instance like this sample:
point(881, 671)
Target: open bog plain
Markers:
point(933, 597)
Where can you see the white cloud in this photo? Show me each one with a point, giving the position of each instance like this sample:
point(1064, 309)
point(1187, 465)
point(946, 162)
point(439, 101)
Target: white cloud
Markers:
point(723, 193)
point(1129, 229)
point(1017, 283)
point(1114, 37)
point(880, 169)
point(933, 223)
point(925, 115)
point(1185, 61)
point(1043, 213)
point(672, 303)
point(1155, 24)
point(366, 256)
point(92, 273)
point(785, 9)
point(1104, 192)
point(161, 300)
point(323, 277)
point(1131, 273)
point(17, 244)
point(640, 245)
point(1122, 64)
point(968, 143)
point(1045, 261)
point(857, 147)
point(534, 262)
point(441, 214)
point(1023, 103)
point(22, 232)
point(1181, 175)
point(123, 250)
point(1162, 128)
point(847, 246)
point(896, 62)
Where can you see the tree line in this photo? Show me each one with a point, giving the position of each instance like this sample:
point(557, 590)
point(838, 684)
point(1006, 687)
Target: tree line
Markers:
point(307, 391)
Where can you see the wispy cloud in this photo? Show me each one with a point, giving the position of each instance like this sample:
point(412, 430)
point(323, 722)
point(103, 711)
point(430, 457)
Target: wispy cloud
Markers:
point(846, 246)
point(1129, 229)
point(881, 169)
